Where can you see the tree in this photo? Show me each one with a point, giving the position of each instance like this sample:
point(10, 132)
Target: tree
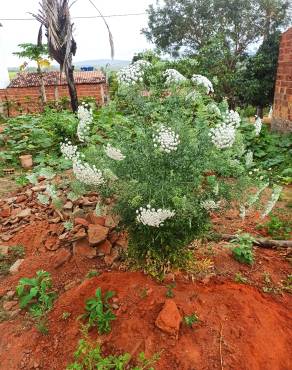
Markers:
point(188, 25)
point(54, 15)
point(258, 79)
point(38, 54)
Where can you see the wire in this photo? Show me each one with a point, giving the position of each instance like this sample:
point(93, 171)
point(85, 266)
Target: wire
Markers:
point(84, 17)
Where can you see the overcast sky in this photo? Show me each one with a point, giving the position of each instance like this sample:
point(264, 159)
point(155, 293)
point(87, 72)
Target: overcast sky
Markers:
point(90, 34)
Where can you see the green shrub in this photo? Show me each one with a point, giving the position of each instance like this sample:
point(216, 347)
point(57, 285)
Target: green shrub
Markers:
point(243, 250)
point(277, 228)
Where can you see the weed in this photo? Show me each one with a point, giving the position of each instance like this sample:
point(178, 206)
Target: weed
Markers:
point(169, 292)
point(287, 284)
point(22, 180)
point(143, 293)
point(91, 274)
point(238, 278)
point(243, 250)
point(99, 311)
point(269, 286)
point(68, 225)
point(277, 228)
point(36, 293)
point(42, 325)
point(89, 356)
point(190, 320)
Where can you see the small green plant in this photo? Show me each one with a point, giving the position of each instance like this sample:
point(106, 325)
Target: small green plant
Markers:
point(66, 315)
point(99, 312)
point(277, 228)
point(243, 250)
point(42, 325)
point(169, 292)
point(36, 293)
point(287, 284)
point(92, 273)
point(89, 356)
point(190, 320)
point(269, 286)
point(22, 180)
point(68, 225)
point(239, 278)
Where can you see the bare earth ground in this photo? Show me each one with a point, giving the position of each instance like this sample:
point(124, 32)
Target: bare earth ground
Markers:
point(240, 327)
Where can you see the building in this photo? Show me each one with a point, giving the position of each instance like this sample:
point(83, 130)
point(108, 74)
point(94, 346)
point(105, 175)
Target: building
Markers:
point(23, 94)
point(282, 109)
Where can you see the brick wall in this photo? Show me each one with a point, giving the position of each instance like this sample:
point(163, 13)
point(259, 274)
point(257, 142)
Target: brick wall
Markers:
point(282, 109)
point(19, 100)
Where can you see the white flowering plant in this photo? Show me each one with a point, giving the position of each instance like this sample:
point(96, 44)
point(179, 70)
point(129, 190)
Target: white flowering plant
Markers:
point(169, 173)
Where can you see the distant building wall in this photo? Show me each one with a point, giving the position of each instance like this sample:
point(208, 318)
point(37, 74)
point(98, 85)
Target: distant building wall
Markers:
point(282, 110)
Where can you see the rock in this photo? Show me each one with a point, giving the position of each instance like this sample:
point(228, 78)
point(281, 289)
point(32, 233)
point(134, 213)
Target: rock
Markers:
point(113, 237)
point(39, 188)
point(68, 205)
point(10, 200)
point(5, 212)
point(110, 222)
point(52, 244)
point(104, 248)
point(113, 257)
point(20, 199)
point(115, 306)
point(169, 318)
point(6, 237)
point(122, 242)
point(14, 313)
point(15, 267)
point(83, 249)
point(4, 249)
point(92, 218)
point(8, 305)
point(81, 221)
point(10, 294)
point(24, 213)
point(97, 234)
point(71, 284)
point(63, 255)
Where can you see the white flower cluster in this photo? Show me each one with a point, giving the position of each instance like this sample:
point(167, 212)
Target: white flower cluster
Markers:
point(114, 153)
point(258, 126)
point(85, 120)
point(223, 135)
point(152, 217)
point(68, 150)
point(166, 139)
point(173, 77)
point(87, 174)
point(210, 205)
point(204, 81)
point(274, 199)
point(133, 74)
point(232, 117)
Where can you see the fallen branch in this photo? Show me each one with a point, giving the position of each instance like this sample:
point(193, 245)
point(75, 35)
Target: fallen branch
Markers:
point(261, 242)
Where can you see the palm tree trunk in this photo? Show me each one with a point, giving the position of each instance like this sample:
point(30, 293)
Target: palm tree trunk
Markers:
point(72, 88)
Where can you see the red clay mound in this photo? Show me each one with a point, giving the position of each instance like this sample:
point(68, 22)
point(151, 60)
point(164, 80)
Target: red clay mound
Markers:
point(239, 327)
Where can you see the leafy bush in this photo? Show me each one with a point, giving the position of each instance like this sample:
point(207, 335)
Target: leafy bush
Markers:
point(243, 250)
point(277, 228)
point(36, 293)
point(99, 311)
point(190, 320)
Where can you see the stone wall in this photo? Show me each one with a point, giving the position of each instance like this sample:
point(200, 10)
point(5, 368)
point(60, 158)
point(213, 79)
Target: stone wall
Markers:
point(24, 100)
point(282, 109)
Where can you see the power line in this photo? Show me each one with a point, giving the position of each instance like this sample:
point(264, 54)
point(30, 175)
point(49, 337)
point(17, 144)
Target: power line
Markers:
point(84, 17)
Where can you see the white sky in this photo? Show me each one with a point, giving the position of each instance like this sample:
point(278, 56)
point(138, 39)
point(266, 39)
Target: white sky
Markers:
point(90, 34)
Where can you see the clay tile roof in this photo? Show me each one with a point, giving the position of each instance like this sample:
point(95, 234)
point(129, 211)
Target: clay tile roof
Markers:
point(29, 79)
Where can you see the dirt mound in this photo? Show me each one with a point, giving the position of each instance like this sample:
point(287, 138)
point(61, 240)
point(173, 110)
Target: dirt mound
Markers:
point(250, 330)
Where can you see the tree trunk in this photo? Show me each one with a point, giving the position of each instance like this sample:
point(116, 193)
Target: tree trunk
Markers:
point(260, 111)
point(261, 242)
point(42, 87)
point(72, 88)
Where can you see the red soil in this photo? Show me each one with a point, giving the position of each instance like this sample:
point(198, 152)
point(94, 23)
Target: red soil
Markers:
point(240, 327)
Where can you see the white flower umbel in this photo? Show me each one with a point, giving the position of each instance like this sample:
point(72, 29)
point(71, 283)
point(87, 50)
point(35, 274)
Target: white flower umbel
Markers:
point(249, 158)
point(231, 117)
point(193, 95)
point(114, 153)
point(69, 151)
point(166, 139)
point(133, 74)
point(151, 217)
point(85, 120)
point(223, 135)
point(173, 77)
point(203, 81)
point(213, 109)
point(210, 205)
point(87, 174)
point(273, 200)
point(258, 126)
